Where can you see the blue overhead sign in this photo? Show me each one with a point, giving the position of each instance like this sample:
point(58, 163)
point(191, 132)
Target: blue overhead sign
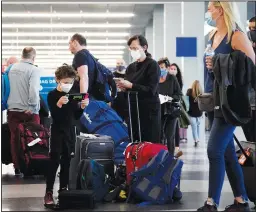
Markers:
point(186, 47)
point(47, 85)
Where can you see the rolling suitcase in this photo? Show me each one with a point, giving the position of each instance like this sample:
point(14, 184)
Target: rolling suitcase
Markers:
point(104, 120)
point(138, 154)
point(249, 167)
point(33, 140)
point(97, 147)
point(6, 144)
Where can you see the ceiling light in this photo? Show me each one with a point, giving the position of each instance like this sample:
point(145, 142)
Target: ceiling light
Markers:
point(53, 61)
point(63, 47)
point(65, 53)
point(74, 25)
point(49, 65)
point(53, 52)
point(14, 41)
point(49, 57)
point(66, 2)
point(57, 64)
point(68, 15)
point(64, 34)
point(69, 60)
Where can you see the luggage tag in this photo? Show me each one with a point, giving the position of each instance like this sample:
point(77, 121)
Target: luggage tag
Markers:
point(243, 158)
point(32, 143)
point(87, 135)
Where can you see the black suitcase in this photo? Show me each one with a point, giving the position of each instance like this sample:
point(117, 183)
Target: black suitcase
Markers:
point(6, 144)
point(249, 168)
point(100, 149)
point(77, 199)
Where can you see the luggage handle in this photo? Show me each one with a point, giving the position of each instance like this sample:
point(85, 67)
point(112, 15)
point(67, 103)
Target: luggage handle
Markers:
point(138, 115)
point(241, 148)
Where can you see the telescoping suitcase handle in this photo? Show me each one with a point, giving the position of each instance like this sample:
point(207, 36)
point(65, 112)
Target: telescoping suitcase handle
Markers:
point(241, 148)
point(130, 114)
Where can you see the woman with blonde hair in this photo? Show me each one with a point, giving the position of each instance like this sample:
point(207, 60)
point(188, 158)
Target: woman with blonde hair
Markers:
point(194, 112)
point(228, 37)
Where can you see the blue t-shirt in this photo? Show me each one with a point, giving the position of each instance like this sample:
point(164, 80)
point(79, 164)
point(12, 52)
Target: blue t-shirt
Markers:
point(223, 48)
point(84, 57)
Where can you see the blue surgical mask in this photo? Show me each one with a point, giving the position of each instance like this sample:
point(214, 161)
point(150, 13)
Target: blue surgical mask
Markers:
point(209, 20)
point(163, 72)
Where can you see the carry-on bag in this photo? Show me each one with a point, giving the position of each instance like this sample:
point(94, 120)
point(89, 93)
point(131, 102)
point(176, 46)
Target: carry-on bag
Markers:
point(6, 144)
point(77, 199)
point(247, 160)
point(97, 147)
point(33, 140)
point(137, 154)
point(158, 182)
point(100, 118)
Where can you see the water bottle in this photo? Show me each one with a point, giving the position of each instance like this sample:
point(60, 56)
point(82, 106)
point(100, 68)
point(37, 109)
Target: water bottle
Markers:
point(209, 52)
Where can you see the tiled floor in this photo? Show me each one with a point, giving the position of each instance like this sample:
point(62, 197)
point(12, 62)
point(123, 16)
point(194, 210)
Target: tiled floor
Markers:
point(27, 195)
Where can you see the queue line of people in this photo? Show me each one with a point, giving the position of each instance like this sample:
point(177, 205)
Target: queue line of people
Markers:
point(146, 77)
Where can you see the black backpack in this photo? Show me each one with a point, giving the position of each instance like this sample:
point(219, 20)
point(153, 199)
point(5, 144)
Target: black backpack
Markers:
point(91, 176)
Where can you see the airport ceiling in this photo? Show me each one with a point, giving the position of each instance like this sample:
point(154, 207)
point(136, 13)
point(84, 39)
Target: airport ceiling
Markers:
point(48, 28)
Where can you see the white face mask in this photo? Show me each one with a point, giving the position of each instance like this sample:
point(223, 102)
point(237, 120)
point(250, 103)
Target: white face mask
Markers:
point(65, 87)
point(173, 72)
point(136, 55)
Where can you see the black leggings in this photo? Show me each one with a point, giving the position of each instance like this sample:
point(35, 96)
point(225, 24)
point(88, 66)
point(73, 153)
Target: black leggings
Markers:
point(150, 123)
point(177, 134)
point(56, 159)
point(168, 133)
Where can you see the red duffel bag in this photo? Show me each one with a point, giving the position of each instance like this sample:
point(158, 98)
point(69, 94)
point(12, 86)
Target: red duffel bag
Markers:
point(138, 154)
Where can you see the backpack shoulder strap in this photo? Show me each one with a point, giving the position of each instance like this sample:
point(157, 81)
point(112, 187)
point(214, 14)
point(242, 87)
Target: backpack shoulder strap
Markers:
point(5, 87)
point(8, 69)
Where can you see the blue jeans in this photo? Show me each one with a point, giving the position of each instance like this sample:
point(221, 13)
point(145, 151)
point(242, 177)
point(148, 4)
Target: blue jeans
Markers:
point(222, 156)
point(195, 125)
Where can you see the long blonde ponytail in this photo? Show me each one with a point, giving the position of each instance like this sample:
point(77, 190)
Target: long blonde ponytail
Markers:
point(231, 16)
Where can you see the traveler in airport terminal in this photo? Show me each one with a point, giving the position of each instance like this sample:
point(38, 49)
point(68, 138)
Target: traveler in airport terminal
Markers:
point(11, 60)
point(62, 145)
point(248, 128)
point(169, 86)
point(227, 37)
point(181, 133)
point(120, 102)
point(194, 112)
point(23, 101)
point(120, 69)
point(83, 63)
point(143, 76)
point(252, 32)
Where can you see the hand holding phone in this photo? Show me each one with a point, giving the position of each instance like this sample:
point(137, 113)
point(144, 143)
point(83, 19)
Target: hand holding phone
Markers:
point(84, 103)
point(77, 96)
point(62, 101)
